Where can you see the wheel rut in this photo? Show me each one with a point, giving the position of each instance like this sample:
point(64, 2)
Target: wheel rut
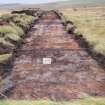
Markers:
point(71, 74)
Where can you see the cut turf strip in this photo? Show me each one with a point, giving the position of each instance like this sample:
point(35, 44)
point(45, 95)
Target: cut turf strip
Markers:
point(70, 74)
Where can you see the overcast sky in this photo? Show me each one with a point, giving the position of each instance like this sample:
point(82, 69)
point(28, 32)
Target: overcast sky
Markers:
point(27, 1)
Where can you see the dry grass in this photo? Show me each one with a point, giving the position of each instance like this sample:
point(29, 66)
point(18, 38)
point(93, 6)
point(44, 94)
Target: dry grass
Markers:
point(90, 22)
point(13, 31)
point(3, 12)
point(5, 57)
point(88, 101)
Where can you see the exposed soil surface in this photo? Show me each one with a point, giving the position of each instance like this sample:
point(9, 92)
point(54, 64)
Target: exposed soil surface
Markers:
point(71, 74)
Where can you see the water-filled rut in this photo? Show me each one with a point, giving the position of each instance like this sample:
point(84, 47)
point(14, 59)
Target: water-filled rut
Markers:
point(71, 74)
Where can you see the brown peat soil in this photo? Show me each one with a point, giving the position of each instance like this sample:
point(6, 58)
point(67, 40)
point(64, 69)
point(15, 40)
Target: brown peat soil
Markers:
point(72, 74)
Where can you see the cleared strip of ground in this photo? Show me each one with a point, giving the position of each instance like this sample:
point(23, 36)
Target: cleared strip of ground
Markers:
point(71, 74)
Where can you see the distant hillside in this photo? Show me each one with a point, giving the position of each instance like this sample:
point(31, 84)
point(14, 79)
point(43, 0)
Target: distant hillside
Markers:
point(5, 5)
point(67, 3)
point(9, 6)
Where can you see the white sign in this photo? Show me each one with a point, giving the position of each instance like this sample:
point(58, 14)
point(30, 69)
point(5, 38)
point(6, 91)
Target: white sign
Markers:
point(47, 60)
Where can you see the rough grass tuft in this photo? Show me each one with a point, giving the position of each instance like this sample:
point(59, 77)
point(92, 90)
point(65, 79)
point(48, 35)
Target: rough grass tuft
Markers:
point(5, 57)
point(90, 22)
point(88, 101)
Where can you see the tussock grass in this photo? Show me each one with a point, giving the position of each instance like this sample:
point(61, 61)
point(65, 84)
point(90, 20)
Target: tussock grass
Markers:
point(22, 20)
point(5, 57)
point(13, 37)
point(18, 29)
point(90, 22)
point(88, 101)
point(3, 12)
point(7, 29)
point(8, 32)
point(16, 26)
point(5, 43)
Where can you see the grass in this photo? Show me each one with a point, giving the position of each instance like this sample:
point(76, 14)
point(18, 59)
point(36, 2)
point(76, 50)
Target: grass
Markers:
point(22, 20)
point(13, 37)
point(5, 43)
point(3, 12)
point(16, 26)
point(7, 29)
point(18, 29)
point(88, 101)
point(8, 32)
point(90, 22)
point(5, 57)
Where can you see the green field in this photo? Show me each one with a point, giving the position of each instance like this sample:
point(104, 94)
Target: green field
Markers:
point(90, 22)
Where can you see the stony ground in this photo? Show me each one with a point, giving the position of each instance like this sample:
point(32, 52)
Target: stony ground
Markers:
point(71, 74)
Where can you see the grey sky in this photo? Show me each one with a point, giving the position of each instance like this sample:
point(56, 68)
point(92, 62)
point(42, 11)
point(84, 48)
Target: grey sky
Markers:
point(28, 1)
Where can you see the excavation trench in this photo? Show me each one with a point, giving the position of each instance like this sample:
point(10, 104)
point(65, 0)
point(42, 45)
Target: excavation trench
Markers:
point(51, 65)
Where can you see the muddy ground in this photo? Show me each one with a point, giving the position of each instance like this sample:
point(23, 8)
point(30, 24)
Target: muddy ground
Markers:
point(72, 73)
